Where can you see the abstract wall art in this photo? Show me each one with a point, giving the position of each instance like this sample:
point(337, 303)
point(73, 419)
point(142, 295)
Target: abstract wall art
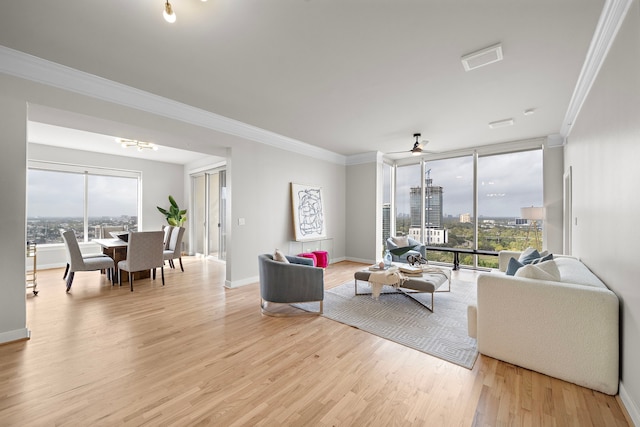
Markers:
point(308, 212)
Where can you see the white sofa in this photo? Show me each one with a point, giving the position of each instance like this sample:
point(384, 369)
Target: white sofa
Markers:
point(566, 329)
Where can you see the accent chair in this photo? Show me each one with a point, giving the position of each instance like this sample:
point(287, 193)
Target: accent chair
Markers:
point(295, 281)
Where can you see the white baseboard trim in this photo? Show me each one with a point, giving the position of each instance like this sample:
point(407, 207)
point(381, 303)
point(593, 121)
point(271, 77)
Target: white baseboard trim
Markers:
point(18, 334)
point(629, 405)
point(362, 260)
point(244, 282)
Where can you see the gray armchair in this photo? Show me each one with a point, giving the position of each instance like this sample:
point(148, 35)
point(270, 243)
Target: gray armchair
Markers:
point(419, 249)
point(288, 283)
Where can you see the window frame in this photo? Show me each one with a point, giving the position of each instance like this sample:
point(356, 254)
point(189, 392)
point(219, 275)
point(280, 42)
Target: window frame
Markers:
point(87, 171)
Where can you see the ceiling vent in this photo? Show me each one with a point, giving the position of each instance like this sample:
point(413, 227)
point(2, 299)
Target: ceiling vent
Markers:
point(501, 124)
point(483, 57)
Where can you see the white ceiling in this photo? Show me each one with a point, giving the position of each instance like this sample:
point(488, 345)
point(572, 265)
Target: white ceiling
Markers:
point(42, 133)
point(350, 76)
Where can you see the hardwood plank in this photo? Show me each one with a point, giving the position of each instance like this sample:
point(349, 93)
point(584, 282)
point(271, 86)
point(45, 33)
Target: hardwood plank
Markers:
point(195, 353)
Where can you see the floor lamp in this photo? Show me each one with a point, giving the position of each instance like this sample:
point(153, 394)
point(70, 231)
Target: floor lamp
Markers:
point(533, 215)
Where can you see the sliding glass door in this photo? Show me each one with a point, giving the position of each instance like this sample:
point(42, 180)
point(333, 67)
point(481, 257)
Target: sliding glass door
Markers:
point(209, 197)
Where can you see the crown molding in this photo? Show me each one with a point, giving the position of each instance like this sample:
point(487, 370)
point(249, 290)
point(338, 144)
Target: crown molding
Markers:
point(33, 68)
point(613, 13)
point(362, 158)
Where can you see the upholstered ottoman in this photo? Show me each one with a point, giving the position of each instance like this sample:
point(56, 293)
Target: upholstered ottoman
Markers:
point(322, 257)
point(310, 255)
point(430, 282)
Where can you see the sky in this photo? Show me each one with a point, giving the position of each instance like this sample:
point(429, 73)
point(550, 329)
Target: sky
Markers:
point(506, 183)
point(61, 194)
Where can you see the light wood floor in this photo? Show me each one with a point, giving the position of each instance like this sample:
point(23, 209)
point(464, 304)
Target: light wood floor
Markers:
point(195, 353)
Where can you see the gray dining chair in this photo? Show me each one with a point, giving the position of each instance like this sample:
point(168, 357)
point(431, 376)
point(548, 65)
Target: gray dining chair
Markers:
point(144, 252)
point(174, 245)
point(66, 270)
point(76, 262)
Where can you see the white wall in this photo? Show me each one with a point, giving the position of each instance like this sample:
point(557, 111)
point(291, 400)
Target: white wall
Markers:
point(261, 194)
point(603, 151)
point(13, 122)
point(364, 211)
point(159, 179)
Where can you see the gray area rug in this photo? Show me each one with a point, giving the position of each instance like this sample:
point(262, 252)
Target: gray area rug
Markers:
point(395, 317)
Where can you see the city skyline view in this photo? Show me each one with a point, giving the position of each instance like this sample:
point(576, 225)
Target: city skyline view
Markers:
point(506, 183)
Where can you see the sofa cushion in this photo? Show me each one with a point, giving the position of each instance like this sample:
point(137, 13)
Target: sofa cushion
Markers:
point(574, 271)
point(401, 241)
point(279, 256)
point(513, 266)
point(547, 270)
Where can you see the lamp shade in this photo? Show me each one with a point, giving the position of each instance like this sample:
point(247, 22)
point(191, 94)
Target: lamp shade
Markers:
point(532, 213)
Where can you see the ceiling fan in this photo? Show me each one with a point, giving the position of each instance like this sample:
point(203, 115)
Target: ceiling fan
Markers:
point(417, 148)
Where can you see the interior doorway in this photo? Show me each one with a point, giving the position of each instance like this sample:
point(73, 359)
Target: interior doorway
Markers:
point(209, 189)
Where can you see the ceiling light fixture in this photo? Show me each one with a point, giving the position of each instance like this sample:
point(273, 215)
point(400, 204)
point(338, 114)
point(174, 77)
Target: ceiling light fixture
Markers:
point(140, 145)
point(501, 124)
point(168, 14)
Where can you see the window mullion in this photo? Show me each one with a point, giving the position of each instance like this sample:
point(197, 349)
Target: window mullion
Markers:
point(86, 206)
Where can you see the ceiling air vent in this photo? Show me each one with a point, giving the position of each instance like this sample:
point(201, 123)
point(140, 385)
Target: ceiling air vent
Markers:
point(482, 57)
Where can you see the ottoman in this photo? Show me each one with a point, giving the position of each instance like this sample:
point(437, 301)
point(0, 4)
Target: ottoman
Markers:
point(430, 282)
point(310, 255)
point(322, 258)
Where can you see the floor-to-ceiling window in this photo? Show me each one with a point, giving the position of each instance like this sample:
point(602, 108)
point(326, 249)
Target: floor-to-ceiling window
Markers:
point(439, 208)
point(78, 198)
point(506, 184)
point(448, 205)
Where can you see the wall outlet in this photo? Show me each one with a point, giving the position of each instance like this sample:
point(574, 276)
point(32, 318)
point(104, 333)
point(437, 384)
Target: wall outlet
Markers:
point(241, 221)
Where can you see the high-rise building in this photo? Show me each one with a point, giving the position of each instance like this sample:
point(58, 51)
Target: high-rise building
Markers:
point(433, 217)
point(465, 218)
point(386, 222)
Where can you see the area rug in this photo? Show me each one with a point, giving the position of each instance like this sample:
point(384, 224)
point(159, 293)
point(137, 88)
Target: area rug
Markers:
point(395, 317)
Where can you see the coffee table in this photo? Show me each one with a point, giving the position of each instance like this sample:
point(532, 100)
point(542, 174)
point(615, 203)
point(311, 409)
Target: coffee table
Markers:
point(430, 282)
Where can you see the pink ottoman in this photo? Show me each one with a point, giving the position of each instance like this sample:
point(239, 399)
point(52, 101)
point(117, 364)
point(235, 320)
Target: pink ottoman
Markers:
point(322, 258)
point(310, 255)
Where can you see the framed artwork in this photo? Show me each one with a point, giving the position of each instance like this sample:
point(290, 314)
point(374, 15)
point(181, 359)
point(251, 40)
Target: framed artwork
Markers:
point(308, 212)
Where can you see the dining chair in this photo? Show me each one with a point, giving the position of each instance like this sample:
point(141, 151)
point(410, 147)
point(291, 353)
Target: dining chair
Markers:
point(174, 246)
point(144, 252)
point(76, 262)
point(66, 270)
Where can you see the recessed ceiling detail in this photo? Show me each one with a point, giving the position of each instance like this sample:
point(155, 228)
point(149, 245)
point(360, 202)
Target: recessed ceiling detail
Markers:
point(482, 57)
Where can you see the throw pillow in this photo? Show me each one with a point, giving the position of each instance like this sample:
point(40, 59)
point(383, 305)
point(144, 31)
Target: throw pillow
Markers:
point(513, 266)
point(401, 241)
point(547, 270)
point(543, 258)
point(529, 255)
point(279, 256)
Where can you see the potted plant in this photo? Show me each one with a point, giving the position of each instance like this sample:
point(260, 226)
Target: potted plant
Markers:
point(175, 216)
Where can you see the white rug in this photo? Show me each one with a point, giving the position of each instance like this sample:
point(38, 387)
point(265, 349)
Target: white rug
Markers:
point(395, 317)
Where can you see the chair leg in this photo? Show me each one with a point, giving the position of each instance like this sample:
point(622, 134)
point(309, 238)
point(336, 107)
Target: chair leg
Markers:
point(171, 264)
point(120, 277)
point(66, 270)
point(70, 280)
point(153, 275)
point(181, 267)
point(162, 273)
point(131, 280)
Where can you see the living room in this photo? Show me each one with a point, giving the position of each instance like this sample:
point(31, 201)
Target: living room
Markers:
point(600, 150)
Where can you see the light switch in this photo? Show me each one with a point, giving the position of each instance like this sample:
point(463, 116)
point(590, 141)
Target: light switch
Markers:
point(240, 221)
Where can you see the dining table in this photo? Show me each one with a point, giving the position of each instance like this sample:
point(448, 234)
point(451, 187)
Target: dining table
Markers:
point(117, 249)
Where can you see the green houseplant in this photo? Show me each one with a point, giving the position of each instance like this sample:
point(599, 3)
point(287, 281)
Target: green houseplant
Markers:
point(175, 216)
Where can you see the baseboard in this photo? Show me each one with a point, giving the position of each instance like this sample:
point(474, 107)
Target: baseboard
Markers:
point(361, 260)
point(629, 405)
point(17, 335)
point(243, 282)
